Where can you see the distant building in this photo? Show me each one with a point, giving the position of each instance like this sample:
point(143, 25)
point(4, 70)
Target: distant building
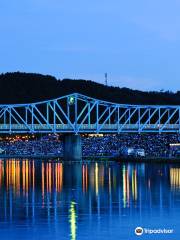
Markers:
point(135, 152)
point(174, 149)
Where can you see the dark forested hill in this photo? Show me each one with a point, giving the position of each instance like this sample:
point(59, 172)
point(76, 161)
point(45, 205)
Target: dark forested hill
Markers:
point(27, 87)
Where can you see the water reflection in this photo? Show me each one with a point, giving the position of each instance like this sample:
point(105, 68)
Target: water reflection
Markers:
point(85, 198)
point(72, 220)
point(175, 178)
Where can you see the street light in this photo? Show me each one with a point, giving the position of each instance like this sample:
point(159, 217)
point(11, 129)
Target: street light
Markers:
point(71, 100)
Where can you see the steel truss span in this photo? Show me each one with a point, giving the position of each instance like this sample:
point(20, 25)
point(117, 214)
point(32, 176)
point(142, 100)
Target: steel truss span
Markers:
point(76, 113)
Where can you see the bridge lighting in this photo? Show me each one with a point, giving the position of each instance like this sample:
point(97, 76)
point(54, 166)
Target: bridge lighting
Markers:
point(90, 115)
point(71, 100)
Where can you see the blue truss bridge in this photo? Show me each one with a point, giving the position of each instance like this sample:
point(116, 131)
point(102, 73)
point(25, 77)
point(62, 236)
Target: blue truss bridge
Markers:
point(77, 113)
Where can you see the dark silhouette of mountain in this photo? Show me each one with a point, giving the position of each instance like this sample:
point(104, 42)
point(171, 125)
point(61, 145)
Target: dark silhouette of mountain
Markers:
point(28, 87)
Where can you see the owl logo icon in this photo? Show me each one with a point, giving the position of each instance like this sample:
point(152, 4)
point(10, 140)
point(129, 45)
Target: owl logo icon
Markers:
point(139, 231)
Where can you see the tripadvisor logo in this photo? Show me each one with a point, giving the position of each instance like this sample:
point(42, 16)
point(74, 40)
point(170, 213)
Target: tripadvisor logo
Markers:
point(139, 231)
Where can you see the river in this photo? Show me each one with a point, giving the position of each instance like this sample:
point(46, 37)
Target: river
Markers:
point(54, 200)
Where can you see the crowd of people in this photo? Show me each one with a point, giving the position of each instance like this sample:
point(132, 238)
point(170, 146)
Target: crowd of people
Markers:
point(154, 145)
point(27, 147)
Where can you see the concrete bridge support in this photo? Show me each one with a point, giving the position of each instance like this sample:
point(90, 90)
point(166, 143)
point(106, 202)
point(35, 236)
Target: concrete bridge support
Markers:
point(72, 147)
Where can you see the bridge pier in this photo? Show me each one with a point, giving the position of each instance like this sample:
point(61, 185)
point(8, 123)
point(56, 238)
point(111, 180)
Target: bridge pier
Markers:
point(72, 147)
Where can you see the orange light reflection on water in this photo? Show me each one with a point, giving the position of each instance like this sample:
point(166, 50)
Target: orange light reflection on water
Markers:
point(175, 178)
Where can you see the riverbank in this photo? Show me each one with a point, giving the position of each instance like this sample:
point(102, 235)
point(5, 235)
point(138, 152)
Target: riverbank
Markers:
point(149, 159)
point(97, 158)
point(39, 156)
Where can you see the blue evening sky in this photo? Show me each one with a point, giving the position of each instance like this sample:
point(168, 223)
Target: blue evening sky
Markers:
point(136, 42)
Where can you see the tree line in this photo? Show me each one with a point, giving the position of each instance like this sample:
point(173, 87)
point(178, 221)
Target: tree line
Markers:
point(21, 87)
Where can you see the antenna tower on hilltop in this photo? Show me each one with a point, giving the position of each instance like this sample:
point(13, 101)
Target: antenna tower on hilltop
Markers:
point(106, 79)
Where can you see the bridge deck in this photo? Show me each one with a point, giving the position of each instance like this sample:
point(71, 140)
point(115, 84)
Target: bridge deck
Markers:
point(87, 128)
